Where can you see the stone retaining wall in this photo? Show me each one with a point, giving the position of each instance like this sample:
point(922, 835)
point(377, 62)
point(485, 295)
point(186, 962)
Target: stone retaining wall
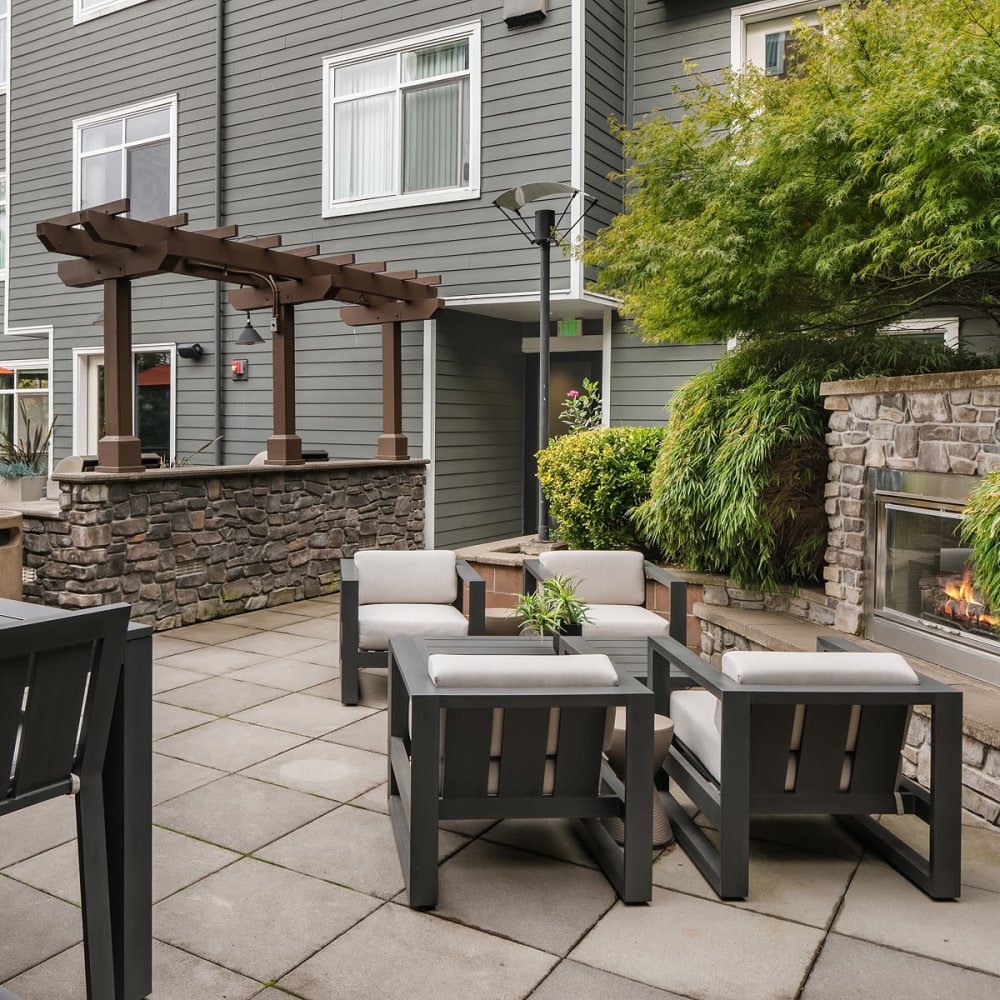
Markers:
point(928, 423)
point(192, 544)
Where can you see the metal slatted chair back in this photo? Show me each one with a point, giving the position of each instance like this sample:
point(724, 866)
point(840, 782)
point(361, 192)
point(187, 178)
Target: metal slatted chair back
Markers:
point(58, 684)
point(522, 753)
point(821, 749)
point(58, 679)
point(804, 733)
point(516, 735)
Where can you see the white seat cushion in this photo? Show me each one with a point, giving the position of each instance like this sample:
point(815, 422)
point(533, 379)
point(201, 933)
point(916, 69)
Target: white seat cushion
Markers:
point(623, 621)
point(388, 576)
point(376, 622)
point(527, 670)
point(601, 577)
point(792, 669)
point(693, 715)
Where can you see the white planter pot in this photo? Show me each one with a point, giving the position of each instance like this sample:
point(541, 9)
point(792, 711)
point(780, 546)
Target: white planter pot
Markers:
point(25, 488)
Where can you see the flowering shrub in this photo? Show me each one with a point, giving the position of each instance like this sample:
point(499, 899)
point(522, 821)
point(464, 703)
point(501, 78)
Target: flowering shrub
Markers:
point(581, 411)
point(594, 479)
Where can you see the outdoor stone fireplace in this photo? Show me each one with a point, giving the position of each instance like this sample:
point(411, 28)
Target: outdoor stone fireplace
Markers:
point(905, 453)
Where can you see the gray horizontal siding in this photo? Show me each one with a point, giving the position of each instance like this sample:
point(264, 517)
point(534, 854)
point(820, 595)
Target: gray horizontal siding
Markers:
point(604, 61)
point(274, 116)
point(645, 376)
point(479, 442)
point(667, 34)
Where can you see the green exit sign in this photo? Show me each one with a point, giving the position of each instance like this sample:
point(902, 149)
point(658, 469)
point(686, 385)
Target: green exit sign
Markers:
point(569, 328)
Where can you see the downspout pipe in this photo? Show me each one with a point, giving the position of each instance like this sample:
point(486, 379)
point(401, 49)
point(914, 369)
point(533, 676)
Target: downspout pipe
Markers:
point(220, 54)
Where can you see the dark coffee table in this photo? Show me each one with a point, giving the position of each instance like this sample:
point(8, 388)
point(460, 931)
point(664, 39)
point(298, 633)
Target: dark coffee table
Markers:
point(631, 655)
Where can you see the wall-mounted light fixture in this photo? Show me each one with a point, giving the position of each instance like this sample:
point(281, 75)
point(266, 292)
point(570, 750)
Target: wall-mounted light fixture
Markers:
point(518, 13)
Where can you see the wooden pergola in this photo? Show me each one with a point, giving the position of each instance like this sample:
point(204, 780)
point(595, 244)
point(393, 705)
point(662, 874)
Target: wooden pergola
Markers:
point(113, 250)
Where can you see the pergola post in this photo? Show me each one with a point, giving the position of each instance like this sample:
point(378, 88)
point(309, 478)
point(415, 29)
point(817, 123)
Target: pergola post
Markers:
point(119, 450)
point(284, 447)
point(392, 443)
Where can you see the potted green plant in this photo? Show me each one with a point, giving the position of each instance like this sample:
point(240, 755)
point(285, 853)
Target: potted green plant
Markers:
point(24, 462)
point(553, 609)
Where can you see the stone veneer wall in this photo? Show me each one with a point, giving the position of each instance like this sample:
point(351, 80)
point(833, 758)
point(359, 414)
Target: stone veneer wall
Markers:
point(192, 544)
point(928, 423)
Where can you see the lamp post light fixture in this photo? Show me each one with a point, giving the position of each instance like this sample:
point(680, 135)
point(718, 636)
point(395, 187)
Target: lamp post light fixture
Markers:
point(544, 232)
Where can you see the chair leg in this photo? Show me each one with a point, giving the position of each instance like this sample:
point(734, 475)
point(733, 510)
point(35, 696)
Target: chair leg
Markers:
point(95, 892)
point(350, 686)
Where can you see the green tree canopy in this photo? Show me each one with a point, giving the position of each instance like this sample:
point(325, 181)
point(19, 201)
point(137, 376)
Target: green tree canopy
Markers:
point(863, 188)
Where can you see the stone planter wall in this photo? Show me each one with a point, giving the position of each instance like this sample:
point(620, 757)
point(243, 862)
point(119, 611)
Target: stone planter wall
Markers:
point(192, 544)
point(928, 423)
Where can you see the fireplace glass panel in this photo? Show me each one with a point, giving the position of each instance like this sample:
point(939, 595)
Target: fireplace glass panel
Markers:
point(926, 571)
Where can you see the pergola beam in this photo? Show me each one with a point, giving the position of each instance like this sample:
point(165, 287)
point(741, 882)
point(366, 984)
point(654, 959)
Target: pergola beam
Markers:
point(113, 250)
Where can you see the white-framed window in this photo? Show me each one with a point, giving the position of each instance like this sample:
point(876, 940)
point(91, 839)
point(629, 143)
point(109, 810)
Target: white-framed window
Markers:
point(128, 153)
point(3, 226)
point(935, 328)
point(401, 122)
point(24, 399)
point(87, 10)
point(4, 42)
point(154, 398)
point(762, 32)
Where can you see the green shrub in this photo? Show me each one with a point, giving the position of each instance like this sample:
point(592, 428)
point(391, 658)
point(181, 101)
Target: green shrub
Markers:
point(594, 479)
point(981, 531)
point(738, 487)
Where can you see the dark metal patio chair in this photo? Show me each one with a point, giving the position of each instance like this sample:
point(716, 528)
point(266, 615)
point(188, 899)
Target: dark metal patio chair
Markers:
point(453, 755)
point(58, 681)
point(798, 733)
point(613, 585)
point(385, 592)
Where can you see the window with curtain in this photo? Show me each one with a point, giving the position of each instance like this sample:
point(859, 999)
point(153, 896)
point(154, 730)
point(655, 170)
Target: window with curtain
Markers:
point(763, 33)
point(128, 153)
point(402, 122)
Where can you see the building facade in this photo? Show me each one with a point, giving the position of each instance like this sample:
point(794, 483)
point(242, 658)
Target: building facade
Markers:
point(385, 130)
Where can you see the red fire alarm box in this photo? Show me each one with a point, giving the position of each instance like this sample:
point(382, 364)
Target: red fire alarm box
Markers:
point(239, 370)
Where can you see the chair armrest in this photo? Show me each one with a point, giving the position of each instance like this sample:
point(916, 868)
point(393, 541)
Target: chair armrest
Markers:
point(837, 644)
point(664, 652)
point(534, 572)
point(349, 600)
point(477, 596)
point(661, 575)
point(678, 590)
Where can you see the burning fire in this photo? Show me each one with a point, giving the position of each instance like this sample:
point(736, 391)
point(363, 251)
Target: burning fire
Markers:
point(962, 604)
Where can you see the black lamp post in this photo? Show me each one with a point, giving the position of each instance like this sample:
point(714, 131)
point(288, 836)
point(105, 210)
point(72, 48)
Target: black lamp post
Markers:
point(543, 235)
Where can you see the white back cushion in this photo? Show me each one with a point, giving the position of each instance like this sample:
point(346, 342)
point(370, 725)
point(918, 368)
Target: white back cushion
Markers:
point(490, 670)
point(762, 667)
point(389, 576)
point(601, 577)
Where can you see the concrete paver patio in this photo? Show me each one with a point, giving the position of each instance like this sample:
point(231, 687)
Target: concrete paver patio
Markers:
point(275, 872)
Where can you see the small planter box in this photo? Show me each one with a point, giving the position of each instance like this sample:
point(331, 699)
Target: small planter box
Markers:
point(24, 488)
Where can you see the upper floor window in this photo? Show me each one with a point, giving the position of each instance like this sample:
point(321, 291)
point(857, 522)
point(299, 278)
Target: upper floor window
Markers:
point(128, 153)
point(85, 10)
point(762, 33)
point(401, 123)
point(4, 42)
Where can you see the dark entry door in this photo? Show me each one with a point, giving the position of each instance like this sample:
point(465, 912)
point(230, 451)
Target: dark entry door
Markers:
point(567, 370)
